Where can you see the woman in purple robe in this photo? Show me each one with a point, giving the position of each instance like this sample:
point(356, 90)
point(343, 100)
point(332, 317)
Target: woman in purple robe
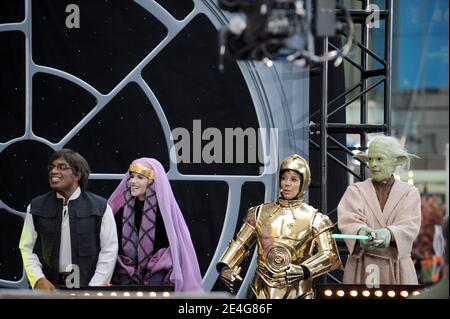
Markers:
point(155, 246)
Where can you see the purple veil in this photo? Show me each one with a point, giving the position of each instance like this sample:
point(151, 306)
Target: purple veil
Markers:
point(186, 272)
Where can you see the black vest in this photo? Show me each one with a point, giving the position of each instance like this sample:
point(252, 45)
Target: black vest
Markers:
point(85, 215)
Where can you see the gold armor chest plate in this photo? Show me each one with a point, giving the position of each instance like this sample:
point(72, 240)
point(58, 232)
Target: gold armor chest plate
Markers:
point(284, 235)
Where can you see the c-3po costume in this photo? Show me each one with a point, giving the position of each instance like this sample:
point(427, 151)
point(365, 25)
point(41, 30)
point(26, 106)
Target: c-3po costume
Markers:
point(294, 244)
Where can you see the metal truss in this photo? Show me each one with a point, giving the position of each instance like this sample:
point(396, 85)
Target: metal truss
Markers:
point(359, 91)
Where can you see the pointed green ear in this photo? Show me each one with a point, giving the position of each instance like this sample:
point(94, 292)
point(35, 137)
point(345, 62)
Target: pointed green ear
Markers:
point(362, 157)
point(400, 160)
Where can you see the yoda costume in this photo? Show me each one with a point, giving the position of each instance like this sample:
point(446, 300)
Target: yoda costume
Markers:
point(389, 210)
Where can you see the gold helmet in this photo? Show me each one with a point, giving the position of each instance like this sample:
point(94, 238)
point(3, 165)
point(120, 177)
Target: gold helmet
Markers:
point(298, 164)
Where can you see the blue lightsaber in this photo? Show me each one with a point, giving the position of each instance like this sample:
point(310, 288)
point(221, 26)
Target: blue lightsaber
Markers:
point(360, 237)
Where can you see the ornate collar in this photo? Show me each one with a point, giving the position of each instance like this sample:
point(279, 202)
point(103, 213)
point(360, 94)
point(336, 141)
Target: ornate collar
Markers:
point(289, 202)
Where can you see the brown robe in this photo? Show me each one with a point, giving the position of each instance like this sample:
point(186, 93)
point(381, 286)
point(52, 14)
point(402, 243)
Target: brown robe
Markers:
point(359, 207)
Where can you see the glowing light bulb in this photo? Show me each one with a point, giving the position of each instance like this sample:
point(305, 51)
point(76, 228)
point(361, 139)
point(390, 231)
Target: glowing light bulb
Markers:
point(378, 293)
point(404, 294)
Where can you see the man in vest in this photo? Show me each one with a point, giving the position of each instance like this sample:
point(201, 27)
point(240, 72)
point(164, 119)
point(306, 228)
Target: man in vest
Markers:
point(69, 237)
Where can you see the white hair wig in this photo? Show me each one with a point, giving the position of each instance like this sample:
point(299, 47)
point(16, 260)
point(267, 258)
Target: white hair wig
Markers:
point(394, 149)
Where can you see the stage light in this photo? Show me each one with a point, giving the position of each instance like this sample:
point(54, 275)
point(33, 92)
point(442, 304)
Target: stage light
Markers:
point(166, 294)
point(283, 30)
point(152, 294)
point(87, 294)
point(140, 294)
point(364, 292)
point(404, 294)
point(113, 294)
point(268, 62)
point(126, 294)
point(391, 293)
point(100, 294)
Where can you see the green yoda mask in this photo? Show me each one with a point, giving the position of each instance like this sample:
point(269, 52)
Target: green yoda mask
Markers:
point(384, 156)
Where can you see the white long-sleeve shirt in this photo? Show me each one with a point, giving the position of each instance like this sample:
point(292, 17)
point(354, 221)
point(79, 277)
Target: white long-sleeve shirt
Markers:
point(106, 258)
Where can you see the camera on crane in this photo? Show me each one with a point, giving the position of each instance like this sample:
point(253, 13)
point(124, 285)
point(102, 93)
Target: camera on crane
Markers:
point(282, 30)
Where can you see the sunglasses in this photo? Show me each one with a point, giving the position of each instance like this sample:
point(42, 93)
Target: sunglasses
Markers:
point(60, 167)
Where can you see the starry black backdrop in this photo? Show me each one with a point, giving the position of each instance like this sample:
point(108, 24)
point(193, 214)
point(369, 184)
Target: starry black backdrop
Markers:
point(114, 36)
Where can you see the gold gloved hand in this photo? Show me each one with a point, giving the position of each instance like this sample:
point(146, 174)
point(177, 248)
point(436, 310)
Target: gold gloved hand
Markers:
point(292, 274)
point(230, 276)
